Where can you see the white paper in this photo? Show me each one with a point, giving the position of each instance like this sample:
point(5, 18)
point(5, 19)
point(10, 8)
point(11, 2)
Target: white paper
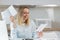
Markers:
point(41, 27)
point(7, 13)
point(6, 16)
point(3, 31)
point(12, 10)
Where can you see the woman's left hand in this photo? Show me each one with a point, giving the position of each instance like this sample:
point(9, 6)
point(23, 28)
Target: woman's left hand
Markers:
point(40, 34)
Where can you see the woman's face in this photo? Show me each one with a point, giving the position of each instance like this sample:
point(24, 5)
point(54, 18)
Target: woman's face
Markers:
point(25, 13)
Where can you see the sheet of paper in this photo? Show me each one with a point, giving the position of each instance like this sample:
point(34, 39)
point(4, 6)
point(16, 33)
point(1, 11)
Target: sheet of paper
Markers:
point(3, 31)
point(6, 16)
point(7, 13)
point(12, 10)
point(41, 27)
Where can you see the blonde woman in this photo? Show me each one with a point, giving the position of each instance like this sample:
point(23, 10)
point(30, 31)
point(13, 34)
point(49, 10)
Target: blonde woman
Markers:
point(24, 27)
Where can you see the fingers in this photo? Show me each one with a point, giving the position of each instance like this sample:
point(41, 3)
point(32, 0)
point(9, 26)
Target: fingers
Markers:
point(12, 19)
point(40, 34)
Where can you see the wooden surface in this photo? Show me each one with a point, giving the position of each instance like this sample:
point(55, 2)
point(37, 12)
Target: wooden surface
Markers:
point(51, 29)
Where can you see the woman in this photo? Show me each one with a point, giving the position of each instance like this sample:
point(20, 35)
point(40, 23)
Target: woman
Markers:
point(24, 27)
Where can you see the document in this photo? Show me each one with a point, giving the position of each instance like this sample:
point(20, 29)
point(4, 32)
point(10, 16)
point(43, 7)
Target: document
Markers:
point(3, 31)
point(7, 13)
point(6, 16)
point(12, 10)
point(41, 27)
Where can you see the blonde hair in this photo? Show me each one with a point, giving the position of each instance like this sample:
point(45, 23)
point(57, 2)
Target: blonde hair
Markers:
point(19, 16)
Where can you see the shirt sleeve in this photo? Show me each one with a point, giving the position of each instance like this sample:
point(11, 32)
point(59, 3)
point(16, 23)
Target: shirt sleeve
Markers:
point(13, 32)
point(34, 27)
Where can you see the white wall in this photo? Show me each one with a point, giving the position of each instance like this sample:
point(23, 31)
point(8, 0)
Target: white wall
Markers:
point(38, 13)
point(57, 17)
point(57, 14)
point(28, 2)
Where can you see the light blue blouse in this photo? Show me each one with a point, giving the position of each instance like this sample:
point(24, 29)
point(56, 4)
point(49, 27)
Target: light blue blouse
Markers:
point(24, 31)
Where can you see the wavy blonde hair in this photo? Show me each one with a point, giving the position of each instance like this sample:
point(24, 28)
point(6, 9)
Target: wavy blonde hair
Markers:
point(19, 16)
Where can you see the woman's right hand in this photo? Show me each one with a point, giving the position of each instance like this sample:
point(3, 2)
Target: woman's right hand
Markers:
point(13, 21)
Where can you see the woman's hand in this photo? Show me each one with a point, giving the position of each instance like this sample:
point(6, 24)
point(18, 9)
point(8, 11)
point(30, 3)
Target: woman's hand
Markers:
point(13, 21)
point(40, 34)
